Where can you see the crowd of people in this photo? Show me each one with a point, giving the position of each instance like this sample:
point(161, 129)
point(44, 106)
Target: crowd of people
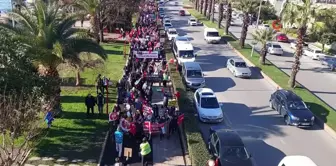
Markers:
point(135, 116)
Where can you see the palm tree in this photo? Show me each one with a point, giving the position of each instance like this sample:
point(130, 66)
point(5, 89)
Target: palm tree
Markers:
point(228, 18)
point(210, 9)
point(196, 4)
point(288, 17)
point(247, 7)
point(91, 8)
point(201, 6)
point(213, 11)
point(206, 5)
point(220, 13)
point(42, 27)
point(304, 13)
point(262, 37)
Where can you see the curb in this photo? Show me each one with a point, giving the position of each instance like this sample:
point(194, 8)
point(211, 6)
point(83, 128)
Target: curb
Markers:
point(318, 121)
point(103, 149)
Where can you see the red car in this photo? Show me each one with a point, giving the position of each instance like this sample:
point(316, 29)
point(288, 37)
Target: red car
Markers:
point(182, 13)
point(282, 38)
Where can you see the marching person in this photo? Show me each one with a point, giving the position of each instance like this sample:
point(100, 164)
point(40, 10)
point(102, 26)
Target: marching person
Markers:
point(99, 84)
point(90, 103)
point(100, 103)
point(145, 150)
point(118, 135)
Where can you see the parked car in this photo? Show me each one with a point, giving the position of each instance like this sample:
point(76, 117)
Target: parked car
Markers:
point(293, 44)
point(313, 52)
point(167, 26)
point(292, 108)
point(166, 21)
point(329, 61)
point(238, 67)
point(274, 49)
point(176, 3)
point(182, 13)
point(228, 148)
point(172, 33)
point(207, 106)
point(192, 75)
point(282, 38)
point(296, 161)
point(192, 21)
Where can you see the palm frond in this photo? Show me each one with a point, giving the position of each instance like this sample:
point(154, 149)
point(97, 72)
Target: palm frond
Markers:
point(86, 45)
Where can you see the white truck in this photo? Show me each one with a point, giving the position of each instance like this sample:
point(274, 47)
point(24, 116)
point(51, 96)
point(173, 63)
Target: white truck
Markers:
point(211, 35)
point(313, 52)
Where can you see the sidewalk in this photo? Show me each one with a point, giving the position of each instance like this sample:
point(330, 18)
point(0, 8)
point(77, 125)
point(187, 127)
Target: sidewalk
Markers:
point(166, 151)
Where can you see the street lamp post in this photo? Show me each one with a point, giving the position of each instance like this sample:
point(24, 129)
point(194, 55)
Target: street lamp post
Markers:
point(259, 13)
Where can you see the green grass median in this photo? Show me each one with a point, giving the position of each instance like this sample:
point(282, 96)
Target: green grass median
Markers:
point(196, 146)
point(317, 106)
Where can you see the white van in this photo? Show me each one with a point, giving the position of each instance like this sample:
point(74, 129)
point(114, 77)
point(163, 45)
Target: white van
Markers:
point(211, 35)
point(183, 50)
point(296, 161)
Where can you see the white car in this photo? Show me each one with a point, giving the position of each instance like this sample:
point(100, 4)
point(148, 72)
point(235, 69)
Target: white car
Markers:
point(172, 33)
point(207, 105)
point(192, 22)
point(296, 161)
point(263, 26)
point(274, 49)
point(211, 35)
point(238, 68)
point(167, 26)
point(293, 44)
point(313, 52)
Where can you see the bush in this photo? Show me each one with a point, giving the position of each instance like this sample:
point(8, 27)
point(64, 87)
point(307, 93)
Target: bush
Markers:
point(196, 145)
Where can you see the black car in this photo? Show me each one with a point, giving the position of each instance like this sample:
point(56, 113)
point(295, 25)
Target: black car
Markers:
point(292, 108)
point(228, 147)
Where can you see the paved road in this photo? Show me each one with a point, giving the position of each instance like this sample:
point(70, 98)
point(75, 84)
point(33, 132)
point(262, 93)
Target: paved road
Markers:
point(314, 76)
point(245, 104)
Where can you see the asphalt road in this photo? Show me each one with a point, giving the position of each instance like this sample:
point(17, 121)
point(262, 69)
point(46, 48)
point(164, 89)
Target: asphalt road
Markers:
point(314, 76)
point(245, 104)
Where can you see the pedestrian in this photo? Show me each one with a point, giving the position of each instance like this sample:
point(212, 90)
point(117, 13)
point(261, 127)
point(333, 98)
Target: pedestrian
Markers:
point(173, 125)
point(99, 84)
point(118, 137)
point(162, 122)
point(90, 103)
point(49, 118)
point(165, 79)
point(82, 20)
point(100, 103)
point(145, 150)
point(118, 162)
point(165, 99)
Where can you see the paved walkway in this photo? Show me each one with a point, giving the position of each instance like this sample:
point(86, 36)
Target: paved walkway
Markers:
point(166, 151)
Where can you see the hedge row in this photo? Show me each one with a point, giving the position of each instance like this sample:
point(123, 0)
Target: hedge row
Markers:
point(197, 148)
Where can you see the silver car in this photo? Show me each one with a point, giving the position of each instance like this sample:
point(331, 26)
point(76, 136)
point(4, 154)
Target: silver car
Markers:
point(192, 75)
point(274, 49)
point(329, 61)
point(238, 68)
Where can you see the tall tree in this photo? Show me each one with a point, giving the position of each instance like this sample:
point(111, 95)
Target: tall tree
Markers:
point(206, 4)
point(201, 6)
point(210, 9)
point(247, 7)
point(262, 37)
point(304, 13)
point(196, 4)
point(220, 13)
point(228, 18)
point(43, 27)
point(213, 11)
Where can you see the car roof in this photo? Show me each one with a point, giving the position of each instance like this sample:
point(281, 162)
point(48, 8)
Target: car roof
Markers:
point(192, 18)
point(206, 92)
point(228, 137)
point(297, 160)
point(237, 59)
point(290, 95)
point(171, 29)
point(182, 38)
point(192, 65)
point(211, 29)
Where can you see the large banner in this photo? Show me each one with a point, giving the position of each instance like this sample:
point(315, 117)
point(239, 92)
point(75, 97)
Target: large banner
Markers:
point(146, 54)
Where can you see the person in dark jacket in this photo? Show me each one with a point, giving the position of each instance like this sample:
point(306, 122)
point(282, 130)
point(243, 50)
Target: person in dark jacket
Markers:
point(90, 103)
point(165, 99)
point(99, 84)
point(100, 103)
point(172, 125)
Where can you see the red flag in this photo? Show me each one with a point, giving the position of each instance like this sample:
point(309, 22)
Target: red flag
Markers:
point(150, 50)
point(180, 119)
point(113, 116)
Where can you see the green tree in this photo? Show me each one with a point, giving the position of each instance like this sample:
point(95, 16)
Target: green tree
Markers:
point(210, 9)
point(213, 11)
point(201, 6)
point(262, 37)
point(206, 5)
point(304, 14)
point(327, 38)
point(228, 18)
point(42, 27)
point(247, 7)
point(220, 13)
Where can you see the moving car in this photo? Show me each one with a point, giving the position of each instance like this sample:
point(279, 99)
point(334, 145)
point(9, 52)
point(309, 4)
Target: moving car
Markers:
point(182, 13)
point(183, 50)
point(207, 106)
point(238, 67)
point(296, 161)
point(166, 21)
point(172, 33)
point(292, 108)
point(228, 147)
point(293, 44)
point(329, 61)
point(192, 22)
point(211, 35)
point(274, 49)
point(282, 38)
point(192, 75)
point(263, 26)
point(176, 3)
point(167, 26)
point(313, 52)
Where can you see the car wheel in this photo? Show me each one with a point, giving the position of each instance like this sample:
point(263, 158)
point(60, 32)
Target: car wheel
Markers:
point(271, 105)
point(287, 120)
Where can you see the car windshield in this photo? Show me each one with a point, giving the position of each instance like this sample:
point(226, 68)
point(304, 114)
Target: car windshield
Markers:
point(168, 25)
point(182, 39)
point(276, 46)
point(213, 34)
point(173, 32)
point(186, 54)
point(240, 64)
point(194, 73)
point(209, 102)
point(234, 152)
point(192, 20)
point(318, 52)
point(296, 105)
point(167, 21)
